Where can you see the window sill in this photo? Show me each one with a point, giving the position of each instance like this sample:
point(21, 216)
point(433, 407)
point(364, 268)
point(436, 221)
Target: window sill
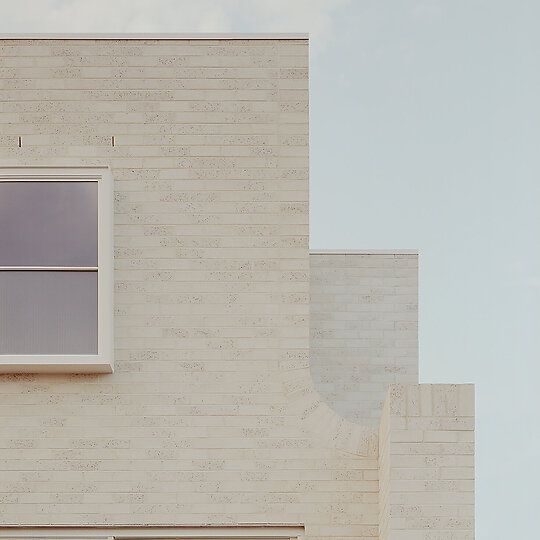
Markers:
point(55, 364)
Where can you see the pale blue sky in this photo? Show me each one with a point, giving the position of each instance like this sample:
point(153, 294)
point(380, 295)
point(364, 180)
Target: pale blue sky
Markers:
point(425, 124)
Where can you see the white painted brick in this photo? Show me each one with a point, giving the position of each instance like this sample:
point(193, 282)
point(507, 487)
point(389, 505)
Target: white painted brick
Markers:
point(426, 471)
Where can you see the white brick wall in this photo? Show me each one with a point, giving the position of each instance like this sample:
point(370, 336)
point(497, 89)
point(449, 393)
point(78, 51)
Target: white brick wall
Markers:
point(211, 416)
point(199, 423)
point(363, 328)
point(427, 463)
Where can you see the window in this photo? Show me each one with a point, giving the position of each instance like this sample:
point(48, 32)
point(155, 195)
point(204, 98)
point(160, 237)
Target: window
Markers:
point(56, 270)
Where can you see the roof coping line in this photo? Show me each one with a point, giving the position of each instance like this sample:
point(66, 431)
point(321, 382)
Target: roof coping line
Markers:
point(152, 36)
point(363, 252)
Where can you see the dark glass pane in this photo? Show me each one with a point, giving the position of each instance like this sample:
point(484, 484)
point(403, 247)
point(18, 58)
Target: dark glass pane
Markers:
point(47, 312)
point(48, 223)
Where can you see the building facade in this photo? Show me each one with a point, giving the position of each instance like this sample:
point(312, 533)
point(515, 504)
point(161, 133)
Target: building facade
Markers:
point(235, 405)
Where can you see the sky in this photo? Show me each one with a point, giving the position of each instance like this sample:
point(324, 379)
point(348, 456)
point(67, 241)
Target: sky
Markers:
point(424, 134)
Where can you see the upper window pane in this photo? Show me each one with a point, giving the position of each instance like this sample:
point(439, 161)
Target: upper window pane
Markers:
point(48, 223)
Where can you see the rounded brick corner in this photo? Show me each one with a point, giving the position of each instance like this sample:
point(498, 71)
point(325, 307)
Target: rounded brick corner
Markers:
point(323, 421)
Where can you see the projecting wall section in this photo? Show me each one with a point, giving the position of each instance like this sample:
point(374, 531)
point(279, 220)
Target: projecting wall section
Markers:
point(363, 328)
point(427, 463)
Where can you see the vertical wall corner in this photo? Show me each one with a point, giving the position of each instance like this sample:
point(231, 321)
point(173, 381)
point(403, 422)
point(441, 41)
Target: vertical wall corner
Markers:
point(426, 463)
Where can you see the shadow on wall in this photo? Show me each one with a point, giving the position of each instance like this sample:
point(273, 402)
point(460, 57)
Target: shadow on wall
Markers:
point(363, 337)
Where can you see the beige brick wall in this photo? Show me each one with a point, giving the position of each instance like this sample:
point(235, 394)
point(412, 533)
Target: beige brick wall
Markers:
point(199, 423)
point(363, 328)
point(427, 463)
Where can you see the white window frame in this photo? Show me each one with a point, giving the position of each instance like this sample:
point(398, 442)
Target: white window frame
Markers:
point(103, 361)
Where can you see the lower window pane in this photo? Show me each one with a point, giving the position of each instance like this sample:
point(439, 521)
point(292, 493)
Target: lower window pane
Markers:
point(48, 312)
